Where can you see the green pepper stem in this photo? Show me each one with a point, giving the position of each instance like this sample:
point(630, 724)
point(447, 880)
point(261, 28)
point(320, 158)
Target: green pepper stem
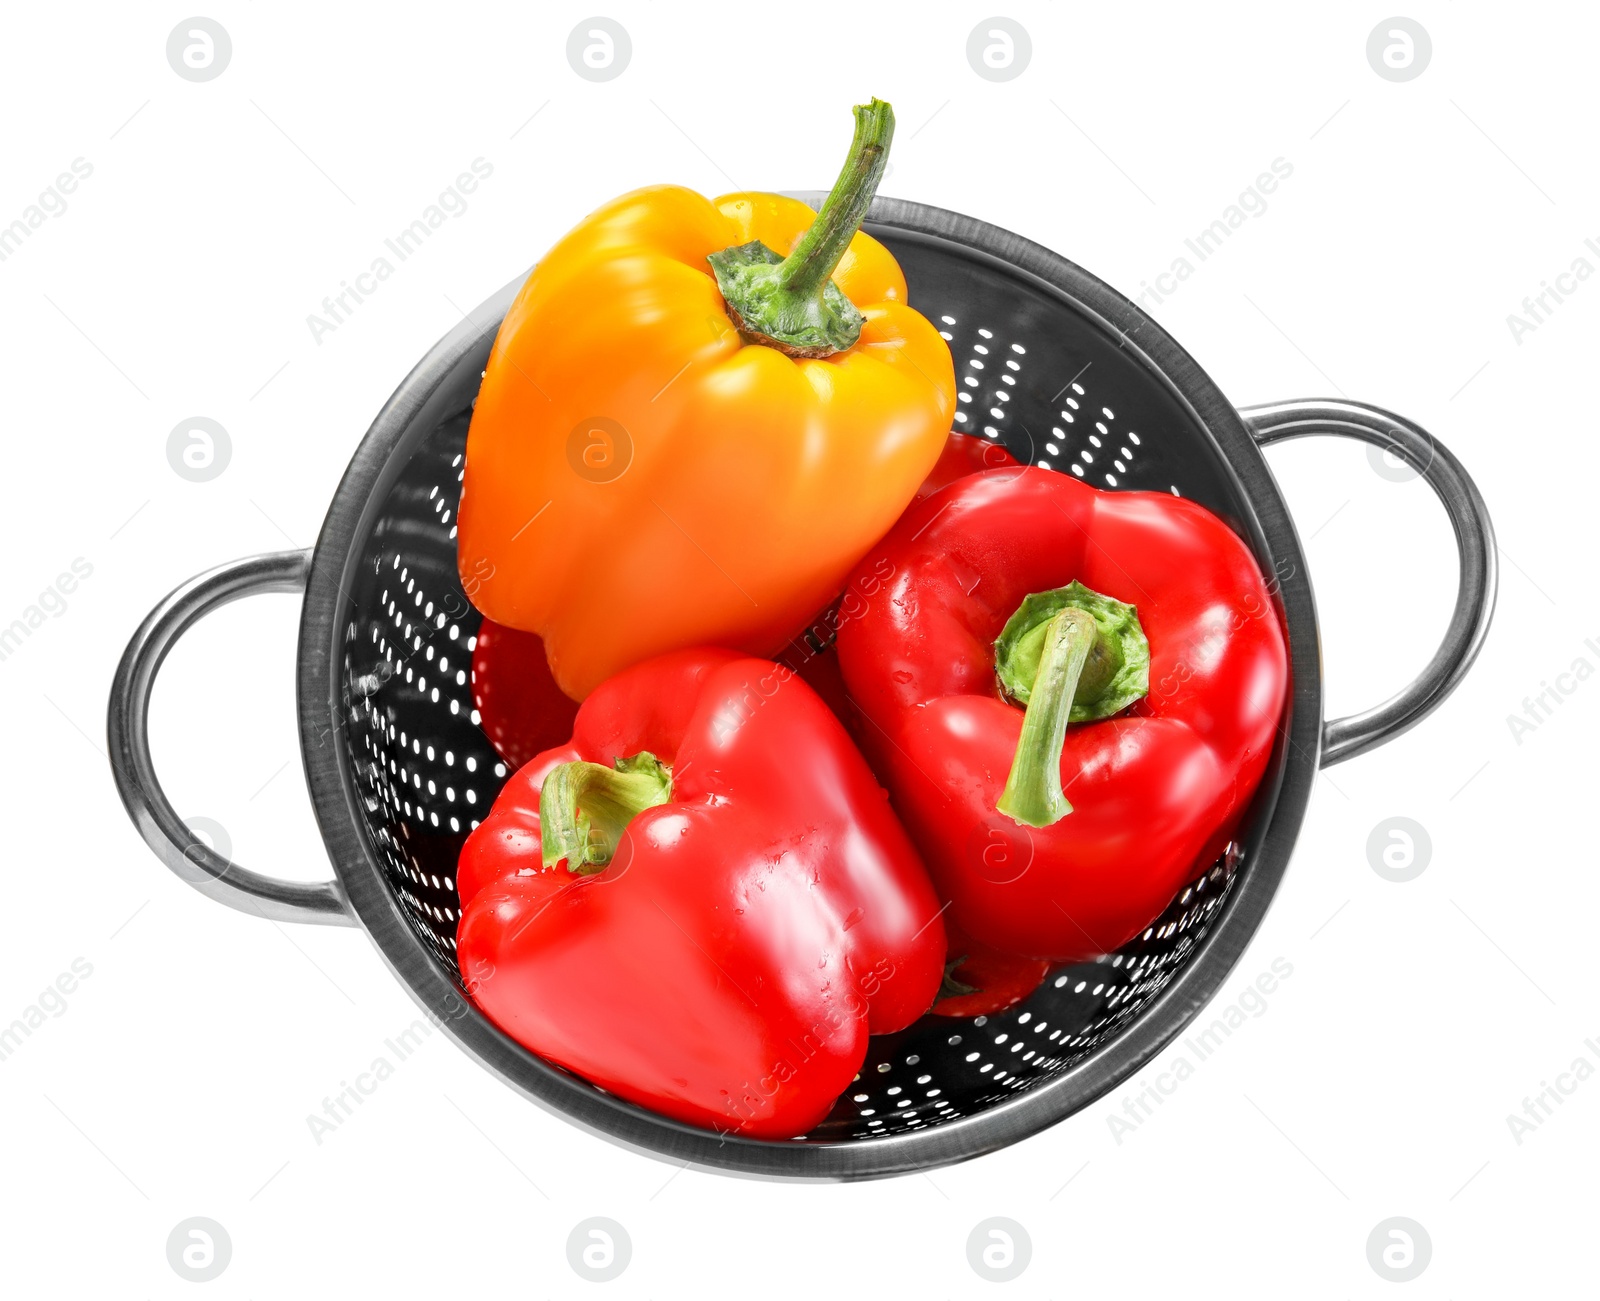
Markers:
point(792, 303)
point(814, 258)
point(585, 807)
point(1033, 794)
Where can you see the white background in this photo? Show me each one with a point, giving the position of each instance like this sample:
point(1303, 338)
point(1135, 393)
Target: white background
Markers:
point(177, 283)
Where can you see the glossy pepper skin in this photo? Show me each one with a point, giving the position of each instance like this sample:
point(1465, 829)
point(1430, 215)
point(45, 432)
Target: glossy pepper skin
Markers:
point(1155, 791)
point(749, 931)
point(632, 450)
point(980, 980)
point(811, 654)
point(963, 454)
point(522, 712)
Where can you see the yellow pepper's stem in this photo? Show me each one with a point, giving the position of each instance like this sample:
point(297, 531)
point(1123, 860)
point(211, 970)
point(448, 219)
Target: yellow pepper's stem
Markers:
point(814, 258)
point(791, 303)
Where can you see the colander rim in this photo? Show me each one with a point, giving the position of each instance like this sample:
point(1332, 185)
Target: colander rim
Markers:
point(411, 414)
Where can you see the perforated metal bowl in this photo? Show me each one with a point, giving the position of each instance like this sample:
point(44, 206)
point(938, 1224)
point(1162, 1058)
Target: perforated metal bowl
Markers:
point(1052, 362)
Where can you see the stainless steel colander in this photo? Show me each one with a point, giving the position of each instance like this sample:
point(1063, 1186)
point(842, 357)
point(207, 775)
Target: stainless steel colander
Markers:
point(1050, 361)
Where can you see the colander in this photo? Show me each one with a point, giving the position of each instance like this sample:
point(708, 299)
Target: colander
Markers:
point(1053, 363)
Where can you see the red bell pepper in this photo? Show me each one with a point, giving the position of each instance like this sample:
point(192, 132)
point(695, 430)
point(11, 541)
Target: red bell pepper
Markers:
point(703, 902)
point(980, 981)
point(1015, 602)
point(963, 454)
point(811, 654)
point(520, 708)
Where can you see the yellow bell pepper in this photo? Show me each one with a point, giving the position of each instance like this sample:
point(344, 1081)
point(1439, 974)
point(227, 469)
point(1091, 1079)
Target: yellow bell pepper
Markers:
point(697, 417)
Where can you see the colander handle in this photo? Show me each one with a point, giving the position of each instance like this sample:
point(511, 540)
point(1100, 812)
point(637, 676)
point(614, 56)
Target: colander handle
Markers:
point(1344, 738)
point(127, 731)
